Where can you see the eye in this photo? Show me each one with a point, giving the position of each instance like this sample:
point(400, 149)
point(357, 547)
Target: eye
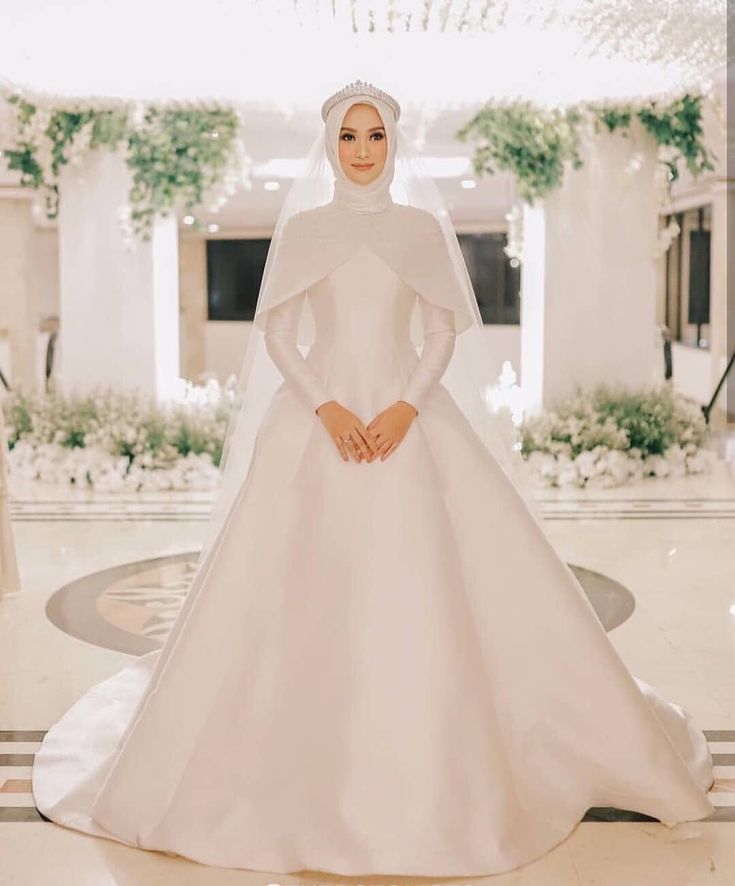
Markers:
point(379, 136)
point(346, 135)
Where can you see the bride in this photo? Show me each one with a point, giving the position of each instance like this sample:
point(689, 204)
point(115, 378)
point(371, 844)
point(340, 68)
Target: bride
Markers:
point(382, 666)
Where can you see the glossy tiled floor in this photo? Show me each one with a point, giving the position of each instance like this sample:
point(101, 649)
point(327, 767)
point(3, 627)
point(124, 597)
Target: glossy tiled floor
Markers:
point(90, 600)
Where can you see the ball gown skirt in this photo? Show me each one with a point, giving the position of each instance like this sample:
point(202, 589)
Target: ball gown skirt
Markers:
point(386, 667)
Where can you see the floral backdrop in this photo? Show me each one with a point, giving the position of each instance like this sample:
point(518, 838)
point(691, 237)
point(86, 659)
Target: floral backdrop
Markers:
point(114, 442)
point(610, 436)
point(186, 155)
point(118, 442)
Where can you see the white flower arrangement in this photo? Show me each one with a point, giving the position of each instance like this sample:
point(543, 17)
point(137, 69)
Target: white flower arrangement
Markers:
point(666, 237)
point(114, 442)
point(609, 437)
point(44, 134)
point(93, 467)
point(514, 249)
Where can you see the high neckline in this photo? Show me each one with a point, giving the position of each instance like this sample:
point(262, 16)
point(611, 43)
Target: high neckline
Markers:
point(358, 198)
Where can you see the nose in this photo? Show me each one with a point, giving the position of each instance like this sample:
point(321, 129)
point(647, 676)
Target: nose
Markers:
point(362, 149)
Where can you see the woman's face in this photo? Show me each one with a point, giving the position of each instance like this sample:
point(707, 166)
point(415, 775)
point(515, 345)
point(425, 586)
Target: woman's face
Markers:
point(363, 144)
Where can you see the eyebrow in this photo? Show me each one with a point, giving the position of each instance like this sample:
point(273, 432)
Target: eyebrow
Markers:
point(369, 130)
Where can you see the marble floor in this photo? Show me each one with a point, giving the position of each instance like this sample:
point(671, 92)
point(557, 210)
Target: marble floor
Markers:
point(104, 578)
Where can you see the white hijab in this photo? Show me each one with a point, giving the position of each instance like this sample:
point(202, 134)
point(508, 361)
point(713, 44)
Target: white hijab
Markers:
point(375, 195)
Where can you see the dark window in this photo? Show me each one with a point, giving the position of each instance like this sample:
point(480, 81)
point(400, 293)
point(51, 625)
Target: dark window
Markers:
point(496, 280)
point(687, 305)
point(234, 271)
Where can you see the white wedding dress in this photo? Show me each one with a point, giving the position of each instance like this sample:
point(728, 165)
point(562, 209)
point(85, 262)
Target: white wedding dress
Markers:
point(388, 670)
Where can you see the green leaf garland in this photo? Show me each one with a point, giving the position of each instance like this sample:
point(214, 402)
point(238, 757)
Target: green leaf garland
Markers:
point(537, 144)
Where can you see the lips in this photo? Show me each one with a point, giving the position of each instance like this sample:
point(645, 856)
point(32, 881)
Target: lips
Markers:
point(363, 166)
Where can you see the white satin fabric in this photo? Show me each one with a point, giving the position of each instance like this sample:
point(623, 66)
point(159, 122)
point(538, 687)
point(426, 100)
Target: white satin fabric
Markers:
point(372, 315)
point(388, 669)
point(407, 239)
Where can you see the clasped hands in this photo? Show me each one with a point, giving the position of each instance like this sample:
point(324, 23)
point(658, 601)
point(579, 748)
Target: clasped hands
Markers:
point(366, 442)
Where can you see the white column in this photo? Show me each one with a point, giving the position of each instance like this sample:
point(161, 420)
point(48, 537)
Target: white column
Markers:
point(18, 309)
point(119, 310)
point(589, 273)
point(722, 299)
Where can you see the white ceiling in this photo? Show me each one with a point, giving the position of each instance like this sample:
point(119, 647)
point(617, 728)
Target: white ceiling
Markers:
point(445, 53)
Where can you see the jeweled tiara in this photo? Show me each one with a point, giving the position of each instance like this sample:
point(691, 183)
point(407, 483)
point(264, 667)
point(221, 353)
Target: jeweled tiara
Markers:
point(360, 87)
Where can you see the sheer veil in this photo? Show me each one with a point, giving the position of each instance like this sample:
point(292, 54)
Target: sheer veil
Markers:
point(469, 377)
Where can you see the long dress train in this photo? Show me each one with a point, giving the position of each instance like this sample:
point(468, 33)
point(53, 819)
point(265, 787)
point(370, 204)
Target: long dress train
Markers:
point(388, 668)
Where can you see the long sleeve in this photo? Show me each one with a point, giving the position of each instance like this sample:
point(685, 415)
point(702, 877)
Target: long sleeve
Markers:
point(438, 347)
point(280, 341)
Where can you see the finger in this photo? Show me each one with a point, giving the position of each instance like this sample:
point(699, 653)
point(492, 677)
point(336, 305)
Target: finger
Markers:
point(365, 434)
point(373, 437)
point(345, 441)
point(389, 451)
point(384, 446)
point(341, 448)
point(363, 445)
point(356, 454)
point(363, 451)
